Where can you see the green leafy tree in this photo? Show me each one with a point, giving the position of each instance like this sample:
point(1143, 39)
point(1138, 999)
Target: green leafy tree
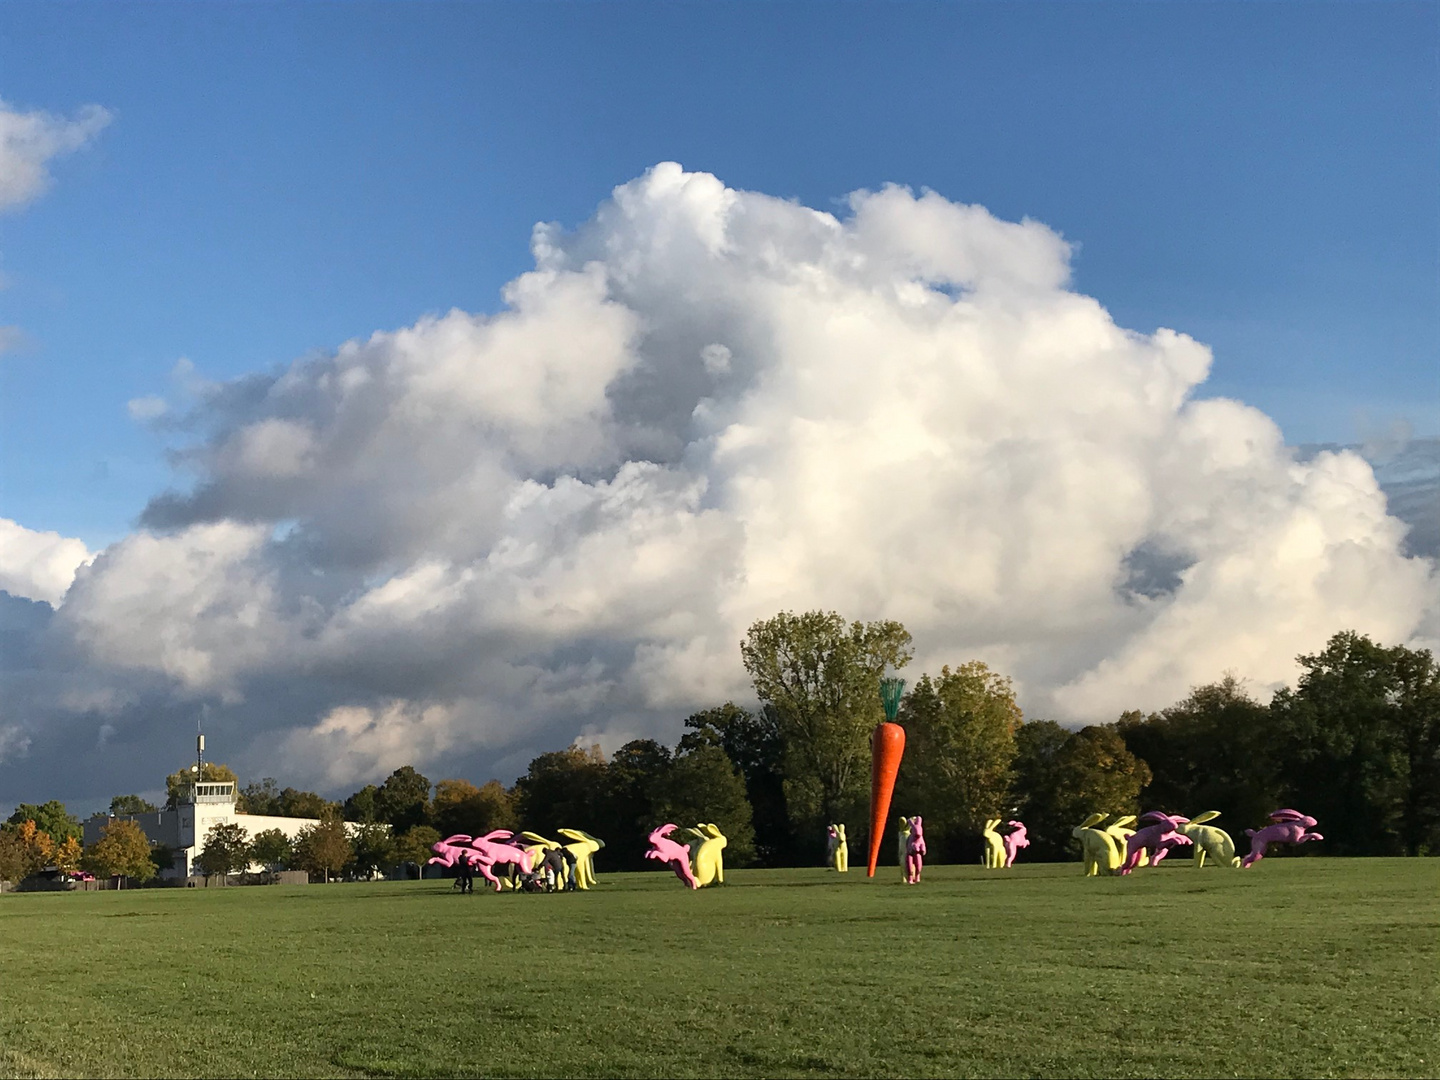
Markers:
point(618, 798)
point(323, 848)
point(461, 807)
point(960, 753)
point(14, 859)
point(754, 745)
point(701, 785)
point(413, 847)
point(403, 800)
point(1216, 750)
point(130, 804)
point(262, 797)
point(822, 676)
point(122, 851)
point(306, 804)
point(360, 807)
point(178, 785)
point(67, 855)
point(1064, 776)
point(374, 850)
point(1360, 738)
point(50, 818)
point(163, 856)
point(226, 850)
point(271, 848)
point(34, 843)
point(564, 789)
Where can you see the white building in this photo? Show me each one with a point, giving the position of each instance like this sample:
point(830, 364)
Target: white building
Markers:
point(183, 829)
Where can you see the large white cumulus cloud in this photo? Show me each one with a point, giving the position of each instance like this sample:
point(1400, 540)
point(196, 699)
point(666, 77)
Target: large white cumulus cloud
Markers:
point(488, 534)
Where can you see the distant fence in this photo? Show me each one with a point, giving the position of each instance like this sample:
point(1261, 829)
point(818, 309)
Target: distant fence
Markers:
point(42, 884)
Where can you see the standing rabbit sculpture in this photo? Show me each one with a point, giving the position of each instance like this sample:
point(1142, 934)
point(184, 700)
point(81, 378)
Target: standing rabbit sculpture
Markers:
point(915, 851)
point(838, 851)
point(1014, 840)
point(1097, 847)
point(994, 856)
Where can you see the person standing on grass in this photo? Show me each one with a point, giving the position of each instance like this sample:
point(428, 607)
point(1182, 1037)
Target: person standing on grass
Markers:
point(570, 868)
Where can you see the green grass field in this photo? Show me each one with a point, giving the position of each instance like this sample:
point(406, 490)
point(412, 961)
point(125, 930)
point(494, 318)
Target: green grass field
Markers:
point(1299, 967)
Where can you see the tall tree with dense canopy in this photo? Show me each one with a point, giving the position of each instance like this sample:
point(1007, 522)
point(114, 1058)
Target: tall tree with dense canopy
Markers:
point(271, 848)
point(131, 804)
point(753, 743)
point(67, 855)
point(323, 848)
point(960, 736)
point(1063, 776)
point(412, 847)
point(226, 850)
point(122, 851)
point(702, 784)
point(822, 676)
point(14, 859)
point(1360, 735)
point(50, 818)
point(179, 784)
point(1216, 750)
point(35, 844)
point(563, 789)
point(461, 807)
point(403, 800)
point(373, 850)
point(360, 807)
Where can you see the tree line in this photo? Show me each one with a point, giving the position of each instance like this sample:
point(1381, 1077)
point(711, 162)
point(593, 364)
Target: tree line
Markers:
point(1355, 743)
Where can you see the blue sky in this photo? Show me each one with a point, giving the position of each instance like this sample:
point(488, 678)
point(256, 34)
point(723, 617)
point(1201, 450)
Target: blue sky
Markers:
point(277, 179)
point(477, 537)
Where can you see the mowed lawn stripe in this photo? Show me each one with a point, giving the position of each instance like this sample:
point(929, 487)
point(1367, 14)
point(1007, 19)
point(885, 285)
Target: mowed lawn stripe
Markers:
point(1299, 967)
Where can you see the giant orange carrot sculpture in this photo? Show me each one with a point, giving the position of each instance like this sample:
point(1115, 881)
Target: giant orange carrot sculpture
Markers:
point(887, 746)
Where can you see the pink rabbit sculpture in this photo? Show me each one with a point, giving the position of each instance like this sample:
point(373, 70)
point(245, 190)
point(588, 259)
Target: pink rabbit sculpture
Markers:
point(915, 852)
point(674, 855)
point(491, 849)
point(1014, 841)
point(1152, 837)
point(1290, 827)
point(1170, 843)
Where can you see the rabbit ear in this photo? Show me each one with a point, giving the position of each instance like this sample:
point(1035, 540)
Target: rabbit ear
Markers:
point(1092, 820)
point(458, 838)
point(1286, 815)
point(1122, 822)
point(497, 834)
point(537, 838)
point(1208, 815)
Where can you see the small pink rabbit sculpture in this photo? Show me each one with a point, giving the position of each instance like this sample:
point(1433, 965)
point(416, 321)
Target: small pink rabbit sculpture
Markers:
point(915, 852)
point(449, 850)
point(674, 855)
point(1170, 843)
point(1161, 828)
point(1290, 827)
point(490, 850)
point(1014, 841)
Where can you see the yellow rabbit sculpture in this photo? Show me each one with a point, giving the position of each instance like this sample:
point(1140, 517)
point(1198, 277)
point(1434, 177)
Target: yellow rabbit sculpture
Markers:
point(1120, 832)
point(1097, 847)
point(584, 847)
point(708, 857)
point(839, 849)
point(903, 839)
point(1211, 841)
point(994, 845)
